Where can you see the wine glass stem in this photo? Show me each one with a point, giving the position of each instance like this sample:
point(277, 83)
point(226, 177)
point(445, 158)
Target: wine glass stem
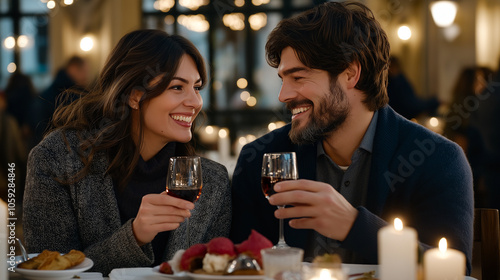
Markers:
point(281, 241)
point(188, 239)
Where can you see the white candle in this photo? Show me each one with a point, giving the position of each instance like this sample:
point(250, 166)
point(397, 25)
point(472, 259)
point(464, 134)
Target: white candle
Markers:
point(397, 252)
point(224, 144)
point(444, 263)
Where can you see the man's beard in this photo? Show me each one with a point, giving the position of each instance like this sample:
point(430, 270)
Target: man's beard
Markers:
point(323, 120)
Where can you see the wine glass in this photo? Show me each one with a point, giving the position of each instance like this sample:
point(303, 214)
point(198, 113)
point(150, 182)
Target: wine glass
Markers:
point(278, 167)
point(184, 181)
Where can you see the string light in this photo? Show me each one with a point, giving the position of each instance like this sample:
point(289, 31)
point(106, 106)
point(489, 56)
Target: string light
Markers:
point(257, 21)
point(86, 44)
point(404, 33)
point(11, 68)
point(239, 3)
point(51, 4)
point(193, 4)
point(209, 129)
point(235, 21)
point(252, 101)
point(169, 19)
point(22, 41)
point(260, 2)
point(245, 95)
point(196, 23)
point(163, 5)
point(242, 83)
point(223, 133)
point(434, 122)
point(9, 42)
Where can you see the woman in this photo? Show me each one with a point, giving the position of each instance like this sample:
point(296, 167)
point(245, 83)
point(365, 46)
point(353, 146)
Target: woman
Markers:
point(96, 182)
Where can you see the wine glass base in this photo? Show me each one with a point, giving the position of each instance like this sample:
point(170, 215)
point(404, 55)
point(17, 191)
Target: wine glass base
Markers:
point(281, 246)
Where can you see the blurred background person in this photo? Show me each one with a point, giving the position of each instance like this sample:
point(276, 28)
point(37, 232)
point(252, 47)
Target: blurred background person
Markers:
point(74, 74)
point(402, 97)
point(20, 93)
point(486, 120)
point(469, 84)
point(12, 150)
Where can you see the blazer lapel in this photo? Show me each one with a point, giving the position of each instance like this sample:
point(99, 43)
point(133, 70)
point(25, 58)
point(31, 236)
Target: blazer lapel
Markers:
point(306, 161)
point(384, 146)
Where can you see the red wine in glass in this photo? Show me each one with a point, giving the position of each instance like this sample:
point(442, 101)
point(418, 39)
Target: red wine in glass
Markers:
point(268, 183)
point(186, 194)
point(277, 167)
point(184, 181)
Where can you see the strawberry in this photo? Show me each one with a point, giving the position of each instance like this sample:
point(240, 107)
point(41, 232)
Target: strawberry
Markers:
point(221, 246)
point(166, 268)
point(192, 258)
point(253, 245)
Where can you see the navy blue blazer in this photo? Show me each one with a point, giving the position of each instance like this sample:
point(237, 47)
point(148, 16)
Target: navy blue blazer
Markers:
point(416, 175)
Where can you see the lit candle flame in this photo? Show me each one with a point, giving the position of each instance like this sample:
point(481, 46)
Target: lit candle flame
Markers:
point(443, 245)
point(398, 224)
point(325, 274)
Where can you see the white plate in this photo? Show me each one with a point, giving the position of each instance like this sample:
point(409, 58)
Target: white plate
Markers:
point(55, 274)
point(180, 276)
point(197, 276)
point(17, 260)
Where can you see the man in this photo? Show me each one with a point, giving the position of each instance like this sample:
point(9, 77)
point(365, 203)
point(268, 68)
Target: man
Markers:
point(360, 164)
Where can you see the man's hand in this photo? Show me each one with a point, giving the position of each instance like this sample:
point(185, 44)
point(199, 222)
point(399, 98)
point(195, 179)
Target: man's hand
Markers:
point(318, 206)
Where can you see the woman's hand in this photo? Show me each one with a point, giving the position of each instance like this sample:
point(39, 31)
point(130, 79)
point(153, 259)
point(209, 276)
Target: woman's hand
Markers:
point(157, 213)
point(318, 206)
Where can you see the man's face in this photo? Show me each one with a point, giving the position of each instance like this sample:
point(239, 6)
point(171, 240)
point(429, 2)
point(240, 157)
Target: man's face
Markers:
point(318, 105)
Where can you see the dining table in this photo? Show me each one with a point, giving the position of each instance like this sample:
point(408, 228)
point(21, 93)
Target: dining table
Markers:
point(148, 273)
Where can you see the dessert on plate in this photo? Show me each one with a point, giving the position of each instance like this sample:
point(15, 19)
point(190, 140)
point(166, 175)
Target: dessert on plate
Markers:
point(214, 257)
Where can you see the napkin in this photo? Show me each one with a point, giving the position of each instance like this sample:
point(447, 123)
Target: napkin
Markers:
point(135, 273)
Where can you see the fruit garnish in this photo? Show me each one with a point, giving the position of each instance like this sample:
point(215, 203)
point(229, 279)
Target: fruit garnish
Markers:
point(221, 246)
point(192, 258)
point(166, 268)
point(253, 245)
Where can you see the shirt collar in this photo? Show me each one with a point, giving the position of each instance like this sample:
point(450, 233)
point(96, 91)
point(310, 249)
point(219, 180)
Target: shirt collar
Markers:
point(367, 142)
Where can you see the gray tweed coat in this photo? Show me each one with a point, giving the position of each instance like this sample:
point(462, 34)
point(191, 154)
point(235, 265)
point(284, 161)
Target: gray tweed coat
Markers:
point(85, 215)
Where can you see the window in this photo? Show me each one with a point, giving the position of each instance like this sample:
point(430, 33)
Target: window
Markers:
point(242, 91)
point(24, 33)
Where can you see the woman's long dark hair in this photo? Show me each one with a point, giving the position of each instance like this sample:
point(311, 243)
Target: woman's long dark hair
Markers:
point(102, 118)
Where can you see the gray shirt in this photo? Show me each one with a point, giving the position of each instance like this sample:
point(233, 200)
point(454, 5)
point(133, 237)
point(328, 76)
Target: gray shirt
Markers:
point(350, 181)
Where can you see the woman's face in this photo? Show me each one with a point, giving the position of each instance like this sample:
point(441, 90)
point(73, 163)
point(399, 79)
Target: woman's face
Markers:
point(168, 117)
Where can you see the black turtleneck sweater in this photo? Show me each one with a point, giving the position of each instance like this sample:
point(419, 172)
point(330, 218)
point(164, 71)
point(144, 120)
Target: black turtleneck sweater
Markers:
point(149, 177)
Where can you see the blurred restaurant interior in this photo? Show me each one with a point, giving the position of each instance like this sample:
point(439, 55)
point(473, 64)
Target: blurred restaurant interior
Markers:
point(38, 37)
point(241, 98)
